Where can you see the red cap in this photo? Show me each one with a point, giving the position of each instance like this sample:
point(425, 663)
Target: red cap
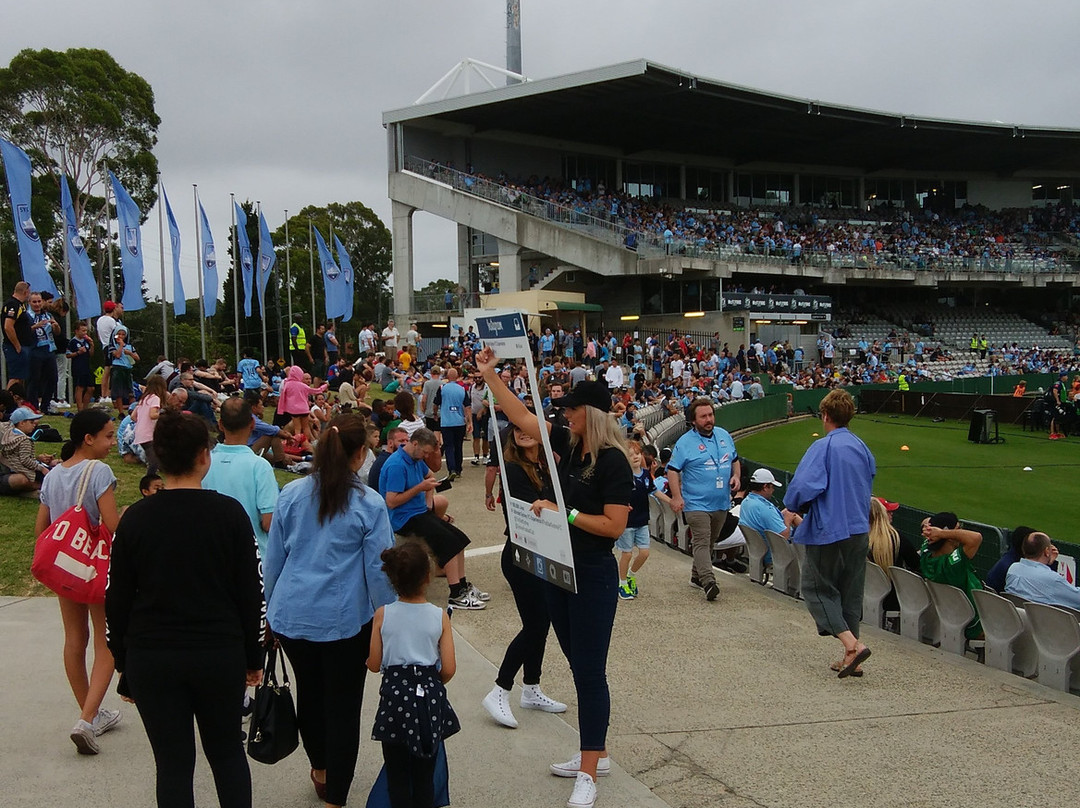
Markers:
point(109, 306)
point(889, 506)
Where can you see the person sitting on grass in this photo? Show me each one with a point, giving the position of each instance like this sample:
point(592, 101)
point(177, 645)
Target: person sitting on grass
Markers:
point(150, 484)
point(945, 558)
point(20, 469)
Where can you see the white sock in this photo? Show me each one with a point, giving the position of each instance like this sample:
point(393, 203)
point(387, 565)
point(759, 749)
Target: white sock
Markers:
point(622, 582)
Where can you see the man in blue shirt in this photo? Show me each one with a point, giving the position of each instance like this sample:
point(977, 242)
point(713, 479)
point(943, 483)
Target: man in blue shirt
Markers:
point(1032, 579)
point(758, 513)
point(408, 486)
point(702, 474)
point(832, 487)
point(265, 439)
point(452, 410)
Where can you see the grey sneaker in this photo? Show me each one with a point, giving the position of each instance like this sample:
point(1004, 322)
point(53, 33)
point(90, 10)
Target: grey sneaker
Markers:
point(476, 593)
point(84, 738)
point(467, 601)
point(105, 720)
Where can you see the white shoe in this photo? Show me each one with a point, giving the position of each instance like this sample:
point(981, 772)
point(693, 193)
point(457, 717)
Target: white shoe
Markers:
point(533, 698)
point(105, 720)
point(573, 766)
point(584, 794)
point(497, 703)
point(476, 593)
point(84, 738)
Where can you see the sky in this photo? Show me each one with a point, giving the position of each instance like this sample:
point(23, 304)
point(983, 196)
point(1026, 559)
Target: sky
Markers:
point(281, 102)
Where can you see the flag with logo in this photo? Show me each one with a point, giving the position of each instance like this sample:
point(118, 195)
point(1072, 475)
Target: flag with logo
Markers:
point(333, 283)
point(87, 299)
point(247, 268)
point(208, 266)
point(348, 277)
point(31, 254)
point(267, 259)
point(129, 219)
point(179, 302)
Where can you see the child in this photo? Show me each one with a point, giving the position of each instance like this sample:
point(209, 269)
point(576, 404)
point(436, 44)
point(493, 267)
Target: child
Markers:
point(79, 351)
point(411, 643)
point(637, 525)
point(122, 357)
point(150, 484)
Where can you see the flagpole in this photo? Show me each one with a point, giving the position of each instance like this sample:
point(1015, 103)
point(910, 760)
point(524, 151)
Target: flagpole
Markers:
point(66, 381)
point(237, 280)
point(330, 247)
point(161, 241)
point(108, 230)
point(202, 260)
point(288, 283)
point(311, 255)
point(3, 365)
point(262, 293)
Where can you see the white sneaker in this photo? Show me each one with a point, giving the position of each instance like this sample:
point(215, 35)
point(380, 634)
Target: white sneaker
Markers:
point(533, 698)
point(584, 794)
point(105, 720)
point(573, 766)
point(84, 738)
point(497, 703)
point(468, 602)
point(476, 593)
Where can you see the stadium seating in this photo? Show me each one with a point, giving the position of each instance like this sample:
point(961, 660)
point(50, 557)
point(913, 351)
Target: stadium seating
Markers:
point(954, 612)
point(1057, 636)
point(786, 572)
point(876, 589)
point(756, 548)
point(918, 617)
point(1009, 644)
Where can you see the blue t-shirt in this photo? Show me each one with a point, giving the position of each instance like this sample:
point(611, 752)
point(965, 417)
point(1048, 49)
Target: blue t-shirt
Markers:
point(547, 343)
point(451, 401)
point(704, 465)
point(249, 372)
point(80, 365)
point(639, 499)
point(331, 347)
point(760, 514)
point(400, 473)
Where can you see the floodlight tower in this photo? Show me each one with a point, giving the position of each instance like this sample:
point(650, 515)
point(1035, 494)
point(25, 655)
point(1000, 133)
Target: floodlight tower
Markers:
point(513, 39)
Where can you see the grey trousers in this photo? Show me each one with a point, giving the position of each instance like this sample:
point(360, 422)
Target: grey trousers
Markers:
point(832, 584)
point(705, 527)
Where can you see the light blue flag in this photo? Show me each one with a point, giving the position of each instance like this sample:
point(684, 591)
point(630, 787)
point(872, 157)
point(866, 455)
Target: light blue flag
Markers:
point(267, 259)
point(31, 255)
point(87, 299)
point(246, 262)
point(333, 283)
point(348, 276)
point(179, 302)
point(208, 267)
point(131, 260)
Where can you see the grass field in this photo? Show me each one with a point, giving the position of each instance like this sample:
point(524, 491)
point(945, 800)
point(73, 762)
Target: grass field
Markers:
point(943, 471)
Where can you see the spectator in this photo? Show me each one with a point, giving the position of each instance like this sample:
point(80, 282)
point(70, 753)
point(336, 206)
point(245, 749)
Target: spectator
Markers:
point(758, 512)
point(20, 469)
point(79, 351)
point(105, 325)
point(945, 557)
point(452, 408)
point(1032, 579)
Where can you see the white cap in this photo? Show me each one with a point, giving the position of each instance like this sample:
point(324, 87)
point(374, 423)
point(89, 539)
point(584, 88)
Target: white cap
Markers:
point(765, 477)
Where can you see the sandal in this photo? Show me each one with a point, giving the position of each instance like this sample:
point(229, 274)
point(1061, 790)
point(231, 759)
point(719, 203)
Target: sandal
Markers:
point(839, 666)
point(849, 669)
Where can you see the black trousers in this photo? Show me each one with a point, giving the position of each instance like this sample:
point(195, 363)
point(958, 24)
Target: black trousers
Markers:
point(453, 444)
point(329, 691)
point(173, 686)
point(526, 650)
point(410, 780)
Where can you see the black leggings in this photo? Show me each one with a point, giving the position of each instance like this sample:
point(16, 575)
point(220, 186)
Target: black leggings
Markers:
point(329, 691)
point(173, 686)
point(526, 650)
point(410, 780)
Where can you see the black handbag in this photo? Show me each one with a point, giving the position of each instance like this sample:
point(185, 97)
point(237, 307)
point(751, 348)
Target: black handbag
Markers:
point(272, 733)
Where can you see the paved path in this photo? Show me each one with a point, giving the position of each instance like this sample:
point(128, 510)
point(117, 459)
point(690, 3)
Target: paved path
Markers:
point(714, 704)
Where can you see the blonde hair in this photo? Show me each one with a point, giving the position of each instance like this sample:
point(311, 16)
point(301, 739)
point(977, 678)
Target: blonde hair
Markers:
point(602, 431)
point(884, 539)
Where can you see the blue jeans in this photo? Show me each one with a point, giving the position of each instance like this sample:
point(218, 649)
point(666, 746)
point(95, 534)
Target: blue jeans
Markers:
point(583, 624)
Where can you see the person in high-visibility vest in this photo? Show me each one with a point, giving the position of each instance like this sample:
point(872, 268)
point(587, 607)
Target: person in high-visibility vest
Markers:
point(983, 346)
point(974, 343)
point(298, 346)
point(902, 382)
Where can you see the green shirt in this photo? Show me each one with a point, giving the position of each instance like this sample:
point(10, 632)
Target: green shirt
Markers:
point(953, 569)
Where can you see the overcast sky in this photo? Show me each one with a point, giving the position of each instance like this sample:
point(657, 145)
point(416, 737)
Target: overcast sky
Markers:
point(281, 101)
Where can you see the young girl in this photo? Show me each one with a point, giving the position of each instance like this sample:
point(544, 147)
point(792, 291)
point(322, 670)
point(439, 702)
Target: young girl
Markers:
point(145, 417)
point(411, 643)
point(92, 436)
point(637, 525)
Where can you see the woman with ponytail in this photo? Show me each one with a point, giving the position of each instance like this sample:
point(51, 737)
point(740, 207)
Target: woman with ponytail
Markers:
point(93, 435)
point(324, 580)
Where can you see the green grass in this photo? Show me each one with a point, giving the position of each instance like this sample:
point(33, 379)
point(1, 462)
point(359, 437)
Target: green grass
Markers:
point(943, 471)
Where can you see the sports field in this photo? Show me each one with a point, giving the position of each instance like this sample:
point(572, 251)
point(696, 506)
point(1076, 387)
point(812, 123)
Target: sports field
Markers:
point(943, 471)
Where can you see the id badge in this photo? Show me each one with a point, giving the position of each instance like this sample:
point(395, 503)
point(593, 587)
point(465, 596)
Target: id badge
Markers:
point(719, 482)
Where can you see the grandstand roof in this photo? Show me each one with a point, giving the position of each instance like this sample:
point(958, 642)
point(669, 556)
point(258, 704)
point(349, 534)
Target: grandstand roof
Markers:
point(642, 106)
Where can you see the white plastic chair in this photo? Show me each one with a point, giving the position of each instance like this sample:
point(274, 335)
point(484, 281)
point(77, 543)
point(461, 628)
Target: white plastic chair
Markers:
point(756, 549)
point(1057, 636)
point(668, 521)
point(1009, 644)
point(954, 612)
point(786, 572)
point(877, 588)
point(656, 519)
point(918, 617)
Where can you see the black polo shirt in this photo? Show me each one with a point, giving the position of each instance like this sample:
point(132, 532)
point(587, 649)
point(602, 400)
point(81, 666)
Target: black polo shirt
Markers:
point(15, 309)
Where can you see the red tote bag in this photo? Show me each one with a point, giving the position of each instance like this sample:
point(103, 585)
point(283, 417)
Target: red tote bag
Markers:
point(71, 556)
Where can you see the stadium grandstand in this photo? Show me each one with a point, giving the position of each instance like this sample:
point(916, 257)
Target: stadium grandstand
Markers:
point(637, 193)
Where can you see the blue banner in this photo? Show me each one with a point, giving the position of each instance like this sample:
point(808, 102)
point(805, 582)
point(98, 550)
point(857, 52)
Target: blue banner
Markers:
point(246, 263)
point(129, 219)
point(208, 266)
point(267, 259)
point(179, 302)
point(348, 276)
point(333, 283)
point(87, 299)
point(31, 254)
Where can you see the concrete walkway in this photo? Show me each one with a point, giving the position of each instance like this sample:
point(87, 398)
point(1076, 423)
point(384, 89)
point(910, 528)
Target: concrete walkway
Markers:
point(714, 704)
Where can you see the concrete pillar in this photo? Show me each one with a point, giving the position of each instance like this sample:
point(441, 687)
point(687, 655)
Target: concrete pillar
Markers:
point(401, 232)
point(860, 191)
point(509, 266)
point(682, 183)
point(618, 175)
point(464, 260)
point(730, 186)
point(795, 190)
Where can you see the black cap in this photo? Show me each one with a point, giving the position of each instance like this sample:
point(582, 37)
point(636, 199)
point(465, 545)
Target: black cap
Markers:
point(592, 394)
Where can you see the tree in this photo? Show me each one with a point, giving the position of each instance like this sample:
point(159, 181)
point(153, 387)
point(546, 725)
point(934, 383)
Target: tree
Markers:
point(432, 298)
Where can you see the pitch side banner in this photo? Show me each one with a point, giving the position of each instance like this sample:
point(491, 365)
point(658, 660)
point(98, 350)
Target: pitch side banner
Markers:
point(541, 544)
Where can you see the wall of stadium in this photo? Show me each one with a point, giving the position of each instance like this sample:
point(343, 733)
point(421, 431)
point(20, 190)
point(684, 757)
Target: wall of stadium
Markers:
point(998, 194)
